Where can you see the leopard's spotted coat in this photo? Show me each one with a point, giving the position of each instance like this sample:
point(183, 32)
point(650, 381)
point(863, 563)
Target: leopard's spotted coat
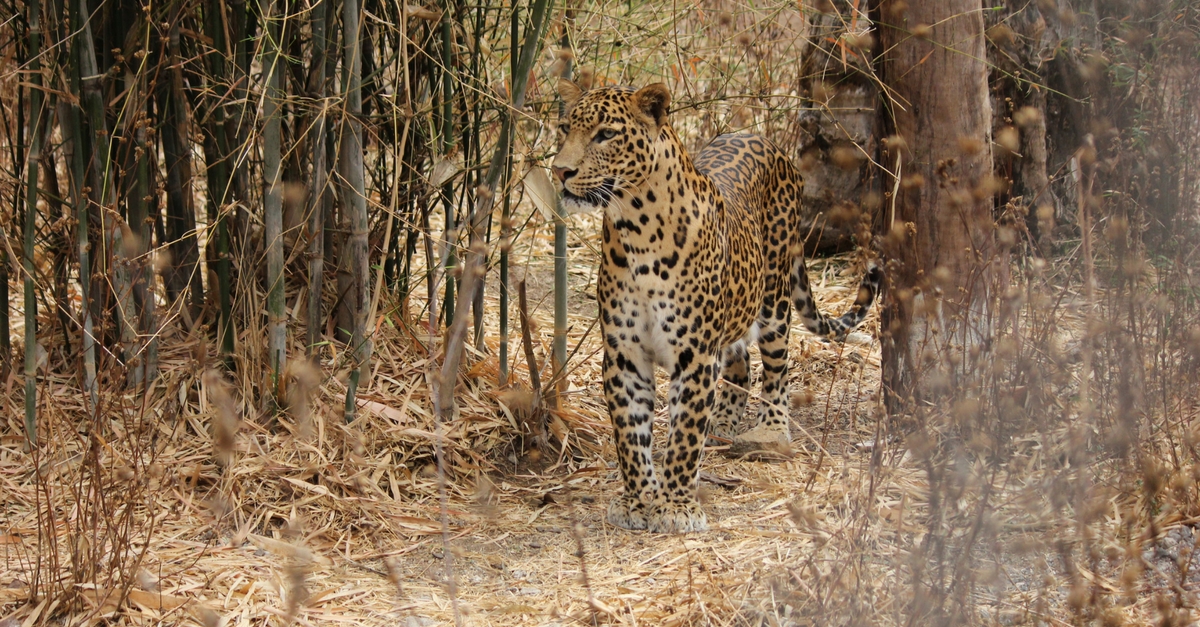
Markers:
point(699, 257)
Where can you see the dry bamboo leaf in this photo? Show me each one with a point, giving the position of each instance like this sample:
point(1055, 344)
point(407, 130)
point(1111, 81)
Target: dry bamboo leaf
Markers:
point(422, 13)
point(157, 600)
point(541, 190)
point(308, 487)
point(383, 411)
point(443, 170)
point(725, 482)
point(284, 549)
point(420, 525)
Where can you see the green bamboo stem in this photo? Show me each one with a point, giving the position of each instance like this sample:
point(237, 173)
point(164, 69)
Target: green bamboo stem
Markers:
point(93, 101)
point(447, 146)
point(31, 186)
point(559, 346)
point(473, 269)
point(350, 162)
point(506, 212)
point(73, 133)
point(220, 184)
point(145, 285)
point(317, 184)
point(273, 194)
point(174, 129)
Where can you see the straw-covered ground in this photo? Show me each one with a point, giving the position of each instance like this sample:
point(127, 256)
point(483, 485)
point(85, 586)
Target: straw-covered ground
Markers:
point(320, 522)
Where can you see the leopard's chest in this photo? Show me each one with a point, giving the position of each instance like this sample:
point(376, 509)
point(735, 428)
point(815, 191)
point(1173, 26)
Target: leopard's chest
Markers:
point(661, 298)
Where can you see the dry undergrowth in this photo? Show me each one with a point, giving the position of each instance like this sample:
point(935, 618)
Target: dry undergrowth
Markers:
point(198, 506)
point(343, 523)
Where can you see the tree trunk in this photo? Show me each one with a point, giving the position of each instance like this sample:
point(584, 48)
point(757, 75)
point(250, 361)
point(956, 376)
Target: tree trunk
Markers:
point(942, 265)
point(939, 224)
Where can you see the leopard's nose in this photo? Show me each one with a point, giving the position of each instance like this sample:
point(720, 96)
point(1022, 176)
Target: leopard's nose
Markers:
point(562, 174)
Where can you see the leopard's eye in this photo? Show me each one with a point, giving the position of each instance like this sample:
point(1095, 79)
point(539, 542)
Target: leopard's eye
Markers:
point(564, 128)
point(605, 134)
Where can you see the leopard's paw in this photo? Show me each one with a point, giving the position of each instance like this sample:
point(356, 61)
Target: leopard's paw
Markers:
point(628, 512)
point(677, 517)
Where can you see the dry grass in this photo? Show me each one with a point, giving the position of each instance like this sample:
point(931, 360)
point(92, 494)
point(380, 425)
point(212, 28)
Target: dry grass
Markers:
point(198, 505)
point(353, 509)
point(345, 525)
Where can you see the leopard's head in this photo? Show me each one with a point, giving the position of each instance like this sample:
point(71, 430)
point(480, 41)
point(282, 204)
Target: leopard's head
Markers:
point(606, 142)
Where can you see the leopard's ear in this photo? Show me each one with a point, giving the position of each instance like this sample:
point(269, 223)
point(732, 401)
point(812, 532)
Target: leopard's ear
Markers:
point(654, 100)
point(569, 92)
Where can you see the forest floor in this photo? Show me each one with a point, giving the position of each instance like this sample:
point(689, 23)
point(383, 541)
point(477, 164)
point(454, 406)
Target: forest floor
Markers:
point(346, 524)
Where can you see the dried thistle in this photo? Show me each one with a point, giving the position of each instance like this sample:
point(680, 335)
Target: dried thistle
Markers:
point(296, 591)
point(395, 574)
point(485, 497)
point(846, 157)
point(1009, 139)
point(226, 421)
point(302, 379)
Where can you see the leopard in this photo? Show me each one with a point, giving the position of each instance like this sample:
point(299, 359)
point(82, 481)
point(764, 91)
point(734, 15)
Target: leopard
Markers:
point(699, 258)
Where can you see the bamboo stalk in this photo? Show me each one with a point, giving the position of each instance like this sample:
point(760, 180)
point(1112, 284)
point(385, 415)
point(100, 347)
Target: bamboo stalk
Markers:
point(473, 269)
point(220, 183)
point(103, 174)
point(535, 372)
point(73, 134)
point(472, 137)
point(136, 158)
point(174, 129)
point(145, 285)
point(31, 186)
point(404, 280)
point(560, 274)
point(446, 147)
point(18, 157)
point(59, 244)
point(17, 149)
point(317, 184)
point(354, 203)
point(242, 25)
point(273, 195)
point(399, 167)
point(506, 212)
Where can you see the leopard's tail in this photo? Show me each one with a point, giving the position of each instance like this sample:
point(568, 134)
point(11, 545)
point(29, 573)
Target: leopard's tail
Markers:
point(817, 322)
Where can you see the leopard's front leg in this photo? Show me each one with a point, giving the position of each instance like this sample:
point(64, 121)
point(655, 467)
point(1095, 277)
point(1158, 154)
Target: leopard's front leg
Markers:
point(629, 394)
point(693, 390)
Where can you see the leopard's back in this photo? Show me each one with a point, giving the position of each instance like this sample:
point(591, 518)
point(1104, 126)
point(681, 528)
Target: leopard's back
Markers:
point(762, 193)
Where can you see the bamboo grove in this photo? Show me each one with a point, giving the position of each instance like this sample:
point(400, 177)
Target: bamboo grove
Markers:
point(192, 170)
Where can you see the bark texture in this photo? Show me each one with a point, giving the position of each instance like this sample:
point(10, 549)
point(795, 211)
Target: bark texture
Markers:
point(938, 220)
